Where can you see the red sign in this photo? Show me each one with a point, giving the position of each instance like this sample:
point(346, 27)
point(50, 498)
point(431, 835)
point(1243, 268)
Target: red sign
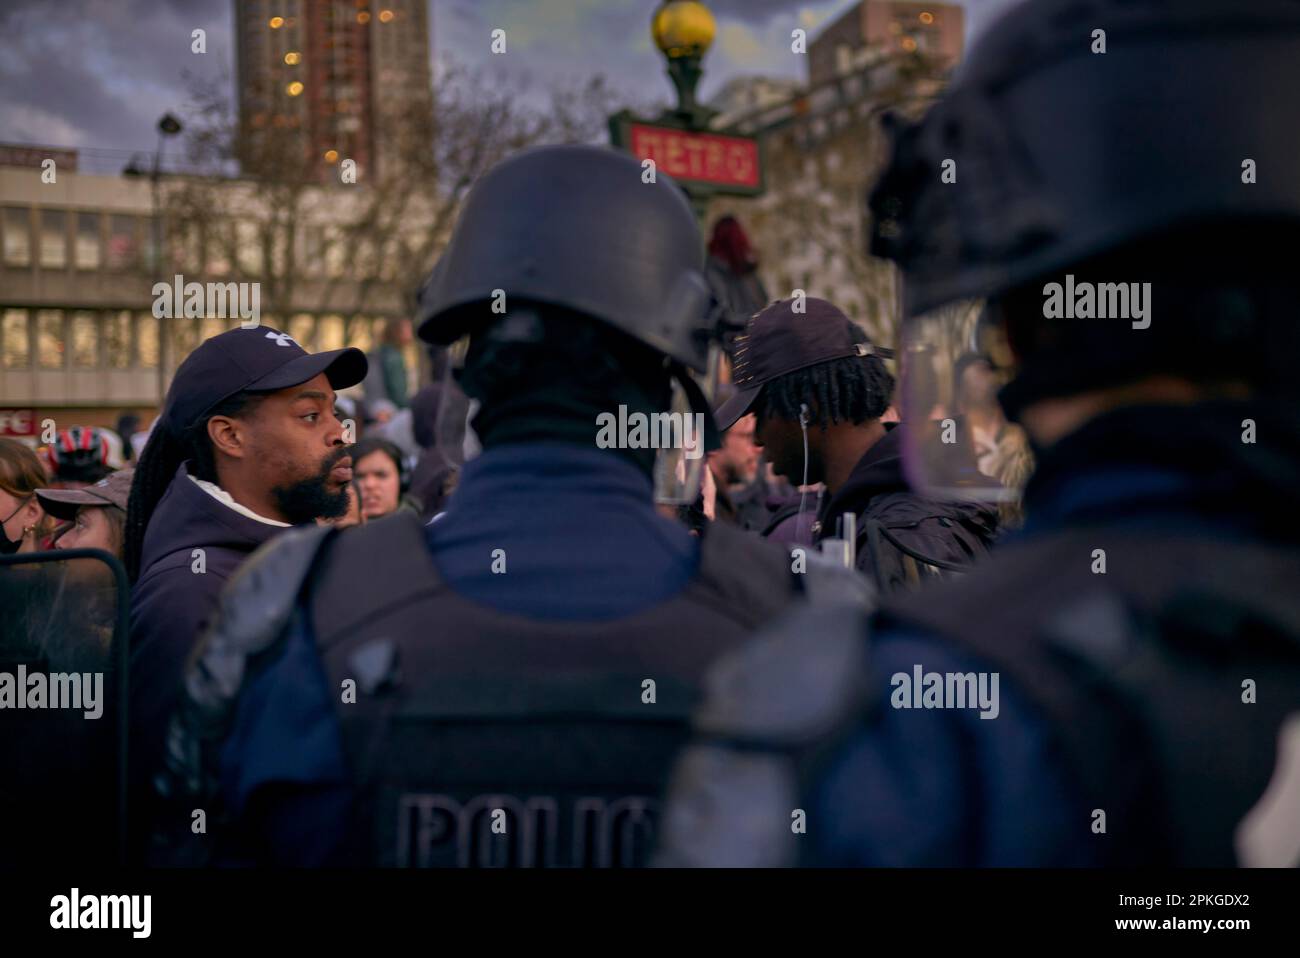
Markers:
point(17, 422)
point(723, 161)
point(13, 154)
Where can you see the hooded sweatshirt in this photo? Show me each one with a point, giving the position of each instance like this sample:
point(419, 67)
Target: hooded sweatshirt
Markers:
point(877, 490)
point(176, 595)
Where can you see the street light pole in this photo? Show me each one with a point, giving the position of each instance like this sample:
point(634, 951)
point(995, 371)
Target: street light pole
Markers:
point(168, 125)
point(683, 30)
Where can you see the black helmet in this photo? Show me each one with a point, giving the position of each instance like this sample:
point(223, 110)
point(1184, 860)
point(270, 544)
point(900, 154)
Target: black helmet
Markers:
point(1063, 154)
point(576, 226)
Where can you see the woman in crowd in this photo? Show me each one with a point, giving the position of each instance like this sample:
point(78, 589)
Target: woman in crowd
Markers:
point(24, 526)
point(97, 514)
point(381, 477)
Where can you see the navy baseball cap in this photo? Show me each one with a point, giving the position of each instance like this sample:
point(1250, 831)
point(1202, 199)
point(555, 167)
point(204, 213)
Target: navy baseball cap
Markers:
point(777, 340)
point(260, 359)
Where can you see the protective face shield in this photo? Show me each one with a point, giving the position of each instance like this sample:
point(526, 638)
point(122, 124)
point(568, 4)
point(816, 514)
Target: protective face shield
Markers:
point(681, 435)
point(685, 442)
point(454, 436)
point(959, 443)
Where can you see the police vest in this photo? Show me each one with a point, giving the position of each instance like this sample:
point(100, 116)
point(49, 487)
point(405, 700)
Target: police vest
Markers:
point(474, 736)
point(1167, 667)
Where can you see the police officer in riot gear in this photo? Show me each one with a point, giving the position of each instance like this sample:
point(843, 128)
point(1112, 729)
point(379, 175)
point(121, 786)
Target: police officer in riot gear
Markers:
point(1120, 682)
point(509, 684)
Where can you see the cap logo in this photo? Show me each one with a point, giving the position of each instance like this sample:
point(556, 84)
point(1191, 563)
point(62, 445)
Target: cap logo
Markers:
point(282, 339)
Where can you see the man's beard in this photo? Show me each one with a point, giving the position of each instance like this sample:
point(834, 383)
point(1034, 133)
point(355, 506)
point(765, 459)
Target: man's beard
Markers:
point(310, 499)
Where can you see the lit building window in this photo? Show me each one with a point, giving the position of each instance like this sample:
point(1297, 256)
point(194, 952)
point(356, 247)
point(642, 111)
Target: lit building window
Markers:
point(146, 341)
point(294, 88)
point(117, 339)
point(17, 339)
point(49, 339)
point(85, 340)
point(293, 58)
point(361, 333)
point(214, 326)
point(330, 333)
point(302, 327)
point(185, 336)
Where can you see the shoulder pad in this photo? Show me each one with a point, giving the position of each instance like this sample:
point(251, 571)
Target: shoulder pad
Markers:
point(794, 682)
point(252, 613)
point(255, 607)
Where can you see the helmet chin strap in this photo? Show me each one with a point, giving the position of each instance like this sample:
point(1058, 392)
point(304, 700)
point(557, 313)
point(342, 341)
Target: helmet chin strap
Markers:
point(803, 487)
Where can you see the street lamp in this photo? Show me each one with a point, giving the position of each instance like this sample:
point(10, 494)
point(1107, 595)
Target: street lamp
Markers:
point(168, 125)
point(683, 30)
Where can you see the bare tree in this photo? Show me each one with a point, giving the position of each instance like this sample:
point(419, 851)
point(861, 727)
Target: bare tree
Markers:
point(266, 209)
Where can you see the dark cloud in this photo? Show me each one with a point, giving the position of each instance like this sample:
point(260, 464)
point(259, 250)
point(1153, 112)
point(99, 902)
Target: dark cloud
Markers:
point(756, 11)
point(102, 71)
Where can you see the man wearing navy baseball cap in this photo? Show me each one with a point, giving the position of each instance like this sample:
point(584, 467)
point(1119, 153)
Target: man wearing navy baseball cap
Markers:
point(247, 444)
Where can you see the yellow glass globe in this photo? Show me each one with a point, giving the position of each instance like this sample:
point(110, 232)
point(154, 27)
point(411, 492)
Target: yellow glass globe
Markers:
point(683, 28)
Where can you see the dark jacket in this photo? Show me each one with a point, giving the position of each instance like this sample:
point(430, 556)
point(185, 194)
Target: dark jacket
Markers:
point(878, 491)
point(172, 600)
point(1086, 705)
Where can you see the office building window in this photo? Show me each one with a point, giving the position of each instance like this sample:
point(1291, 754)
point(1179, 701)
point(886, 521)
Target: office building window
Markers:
point(17, 339)
point(184, 247)
point(214, 326)
point(54, 239)
point(329, 333)
point(360, 333)
point(185, 337)
point(149, 241)
point(49, 339)
point(302, 328)
point(146, 341)
point(117, 339)
point(85, 340)
point(18, 236)
point(336, 253)
point(248, 243)
point(217, 242)
point(87, 249)
point(123, 242)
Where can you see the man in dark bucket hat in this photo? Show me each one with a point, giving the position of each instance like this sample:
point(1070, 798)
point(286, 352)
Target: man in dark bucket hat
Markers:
point(818, 387)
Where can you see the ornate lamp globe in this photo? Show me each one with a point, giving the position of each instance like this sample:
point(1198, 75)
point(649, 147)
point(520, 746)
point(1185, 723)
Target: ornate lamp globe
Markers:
point(683, 28)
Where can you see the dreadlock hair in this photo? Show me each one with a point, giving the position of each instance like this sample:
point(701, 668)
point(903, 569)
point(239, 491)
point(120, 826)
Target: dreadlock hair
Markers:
point(853, 389)
point(162, 456)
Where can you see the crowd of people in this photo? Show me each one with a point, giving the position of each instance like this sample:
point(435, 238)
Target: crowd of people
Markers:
point(1009, 591)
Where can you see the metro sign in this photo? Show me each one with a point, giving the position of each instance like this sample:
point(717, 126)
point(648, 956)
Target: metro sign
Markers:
point(710, 162)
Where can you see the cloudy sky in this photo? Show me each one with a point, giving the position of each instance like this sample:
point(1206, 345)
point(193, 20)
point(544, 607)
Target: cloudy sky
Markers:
point(96, 74)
